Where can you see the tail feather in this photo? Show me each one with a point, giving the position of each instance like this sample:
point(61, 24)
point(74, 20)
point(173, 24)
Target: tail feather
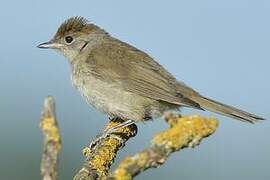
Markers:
point(220, 108)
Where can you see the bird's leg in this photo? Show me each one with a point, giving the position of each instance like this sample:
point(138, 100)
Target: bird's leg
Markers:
point(110, 132)
point(119, 126)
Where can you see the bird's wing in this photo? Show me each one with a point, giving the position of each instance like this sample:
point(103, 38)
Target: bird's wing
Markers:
point(136, 72)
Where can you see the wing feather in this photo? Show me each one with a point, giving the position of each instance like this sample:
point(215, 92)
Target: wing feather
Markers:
point(135, 71)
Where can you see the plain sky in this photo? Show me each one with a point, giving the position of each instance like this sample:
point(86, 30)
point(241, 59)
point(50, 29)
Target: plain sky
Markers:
point(220, 48)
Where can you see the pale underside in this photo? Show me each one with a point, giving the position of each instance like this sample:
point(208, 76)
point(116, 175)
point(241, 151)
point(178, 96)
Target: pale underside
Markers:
point(123, 81)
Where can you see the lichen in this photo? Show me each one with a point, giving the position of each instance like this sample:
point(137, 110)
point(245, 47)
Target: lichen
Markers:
point(105, 156)
point(48, 125)
point(185, 129)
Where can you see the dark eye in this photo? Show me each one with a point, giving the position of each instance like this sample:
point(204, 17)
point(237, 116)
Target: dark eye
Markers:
point(68, 39)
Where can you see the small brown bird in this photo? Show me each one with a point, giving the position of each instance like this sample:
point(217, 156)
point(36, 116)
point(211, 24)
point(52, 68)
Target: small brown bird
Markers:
point(123, 81)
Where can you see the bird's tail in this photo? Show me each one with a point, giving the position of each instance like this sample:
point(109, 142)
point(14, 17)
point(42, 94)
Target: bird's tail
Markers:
point(220, 108)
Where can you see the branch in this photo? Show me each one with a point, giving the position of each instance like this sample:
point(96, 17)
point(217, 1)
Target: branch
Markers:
point(183, 132)
point(52, 141)
point(99, 159)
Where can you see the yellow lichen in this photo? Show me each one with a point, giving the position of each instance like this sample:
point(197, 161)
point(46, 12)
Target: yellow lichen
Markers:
point(126, 162)
point(142, 159)
point(101, 156)
point(184, 129)
point(105, 155)
point(48, 125)
point(86, 152)
point(127, 131)
point(121, 174)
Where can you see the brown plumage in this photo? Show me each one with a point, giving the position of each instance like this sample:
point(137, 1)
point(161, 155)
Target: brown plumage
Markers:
point(75, 24)
point(121, 80)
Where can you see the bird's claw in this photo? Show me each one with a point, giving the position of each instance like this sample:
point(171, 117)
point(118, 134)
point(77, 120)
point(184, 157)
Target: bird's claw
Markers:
point(110, 132)
point(99, 138)
point(107, 133)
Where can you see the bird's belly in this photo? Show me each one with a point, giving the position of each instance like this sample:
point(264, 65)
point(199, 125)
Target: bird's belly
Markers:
point(113, 100)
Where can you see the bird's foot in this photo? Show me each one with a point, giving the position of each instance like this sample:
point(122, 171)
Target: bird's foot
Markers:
point(111, 132)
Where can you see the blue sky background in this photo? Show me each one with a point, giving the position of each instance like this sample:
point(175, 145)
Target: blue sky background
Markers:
point(220, 48)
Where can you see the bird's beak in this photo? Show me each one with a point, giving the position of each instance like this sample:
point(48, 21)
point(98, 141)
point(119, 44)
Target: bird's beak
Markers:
point(50, 45)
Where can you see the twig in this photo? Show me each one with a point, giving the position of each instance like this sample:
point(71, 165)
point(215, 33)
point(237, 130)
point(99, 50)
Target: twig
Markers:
point(184, 132)
point(52, 141)
point(99, 159)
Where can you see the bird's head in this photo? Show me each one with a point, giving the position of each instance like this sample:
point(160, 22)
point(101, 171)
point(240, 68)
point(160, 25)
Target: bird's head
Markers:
point(74, 36)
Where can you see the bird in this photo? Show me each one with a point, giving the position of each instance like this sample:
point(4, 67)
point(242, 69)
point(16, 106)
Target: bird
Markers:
point(124, 82)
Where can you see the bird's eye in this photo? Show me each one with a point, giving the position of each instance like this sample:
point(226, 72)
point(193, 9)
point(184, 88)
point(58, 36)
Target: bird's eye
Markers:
point(68, 39)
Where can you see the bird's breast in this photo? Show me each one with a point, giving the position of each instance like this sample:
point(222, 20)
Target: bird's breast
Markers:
point(104, 96)
point(111, 98)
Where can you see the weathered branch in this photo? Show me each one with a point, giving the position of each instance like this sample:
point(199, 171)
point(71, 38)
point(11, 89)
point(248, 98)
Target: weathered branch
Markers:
point(183, 132)
point(99, 159)
point(52, 141)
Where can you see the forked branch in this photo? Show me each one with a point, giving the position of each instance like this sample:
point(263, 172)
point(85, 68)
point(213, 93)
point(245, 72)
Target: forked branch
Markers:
point(187, 131)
